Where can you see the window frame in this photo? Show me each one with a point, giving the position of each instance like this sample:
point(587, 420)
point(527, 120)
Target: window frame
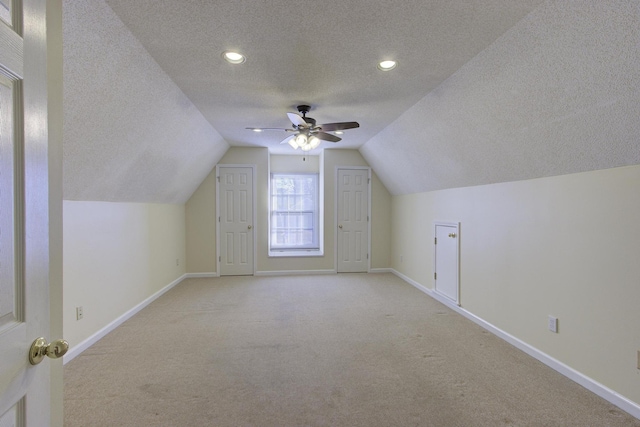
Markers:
point(316, 249)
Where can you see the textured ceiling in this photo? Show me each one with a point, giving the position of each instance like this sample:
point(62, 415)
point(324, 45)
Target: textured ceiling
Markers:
point(486, 91)
point(130, 134)
point(319, 52)
point(558, 93)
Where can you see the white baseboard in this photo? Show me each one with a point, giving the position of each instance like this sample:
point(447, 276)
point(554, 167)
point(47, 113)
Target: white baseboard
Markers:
point(380, 270)
point(590, 384)
point(77, 349)
point(201, 275)
point(294, 272)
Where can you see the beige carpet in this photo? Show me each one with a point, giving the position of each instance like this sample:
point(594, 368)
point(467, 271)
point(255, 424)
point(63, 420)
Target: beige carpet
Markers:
point(345, 350)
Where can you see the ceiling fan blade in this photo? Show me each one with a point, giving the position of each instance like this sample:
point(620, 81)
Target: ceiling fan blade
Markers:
point(329, 127)
point(297, 120)
point(326, 137)
point(287, 139)
point(259, 129)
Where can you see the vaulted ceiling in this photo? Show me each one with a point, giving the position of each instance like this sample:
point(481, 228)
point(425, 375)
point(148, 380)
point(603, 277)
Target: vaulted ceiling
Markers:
point(485, 91)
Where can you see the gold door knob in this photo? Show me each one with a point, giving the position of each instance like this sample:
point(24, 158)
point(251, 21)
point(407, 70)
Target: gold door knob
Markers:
point(40, 348)
point(249, 227)
point(453, 235)
point(340, 226)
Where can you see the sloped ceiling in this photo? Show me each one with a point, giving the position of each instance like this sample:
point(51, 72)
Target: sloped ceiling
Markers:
point(558, 93)
point(130, 134)
point(485, 91)
point(321, 53)
point(140, 75)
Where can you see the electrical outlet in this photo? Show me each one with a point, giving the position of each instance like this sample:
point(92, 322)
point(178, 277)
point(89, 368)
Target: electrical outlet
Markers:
point(553, 324)
point(79, 313)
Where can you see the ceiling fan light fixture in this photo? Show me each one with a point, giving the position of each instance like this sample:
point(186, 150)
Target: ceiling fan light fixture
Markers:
point(387, 65)
point(257, 130)
point(339, 132)
point(314, 142)
point(233, 57)
point(301, 140)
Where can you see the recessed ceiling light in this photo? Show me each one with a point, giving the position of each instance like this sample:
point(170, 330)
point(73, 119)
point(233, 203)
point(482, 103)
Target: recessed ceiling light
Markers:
point(257, 130)
point(387, 65)
point(234, 57)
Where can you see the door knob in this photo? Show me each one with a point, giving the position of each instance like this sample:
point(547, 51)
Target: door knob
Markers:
point(452, 235)
point(340, 226)
point(249, 227)
point(40, 348)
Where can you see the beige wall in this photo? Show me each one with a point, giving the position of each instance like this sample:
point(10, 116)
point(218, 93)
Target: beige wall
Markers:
point(380, 224)
point(201, 227)
point(565, 246)
point(201, 240)
point(294, 164)
point(116, 255)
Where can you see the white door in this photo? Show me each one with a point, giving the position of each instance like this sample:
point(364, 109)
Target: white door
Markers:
point(235, 199)
point(446, 260)
point(24, 207)
point(353, 220)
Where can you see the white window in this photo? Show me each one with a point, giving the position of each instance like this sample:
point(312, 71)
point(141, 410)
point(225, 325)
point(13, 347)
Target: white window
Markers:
point(294, 212)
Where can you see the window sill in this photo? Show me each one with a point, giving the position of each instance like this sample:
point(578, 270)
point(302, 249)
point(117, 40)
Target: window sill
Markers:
point(296, 253)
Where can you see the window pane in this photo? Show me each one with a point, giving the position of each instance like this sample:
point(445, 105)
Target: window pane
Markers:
point(294, 211)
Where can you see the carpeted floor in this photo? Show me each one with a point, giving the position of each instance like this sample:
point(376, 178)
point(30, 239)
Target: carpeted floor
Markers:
point(346, 350)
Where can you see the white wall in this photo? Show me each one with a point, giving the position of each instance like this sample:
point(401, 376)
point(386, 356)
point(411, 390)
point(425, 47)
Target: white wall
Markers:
point(116, 255)
point(566, 246)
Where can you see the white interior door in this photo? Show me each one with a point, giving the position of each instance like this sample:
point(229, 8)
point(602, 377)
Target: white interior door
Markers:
point(446, 260)
point(235, 201)
point(353, 220)
point(24, 206)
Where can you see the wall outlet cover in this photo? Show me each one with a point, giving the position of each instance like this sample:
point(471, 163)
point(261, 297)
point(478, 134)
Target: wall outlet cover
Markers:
point(553, 324)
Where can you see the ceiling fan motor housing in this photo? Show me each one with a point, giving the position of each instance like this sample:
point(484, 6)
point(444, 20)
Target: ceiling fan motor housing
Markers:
point(304, 109)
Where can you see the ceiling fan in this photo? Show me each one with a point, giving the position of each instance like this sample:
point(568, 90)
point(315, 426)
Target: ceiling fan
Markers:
point(308, 134)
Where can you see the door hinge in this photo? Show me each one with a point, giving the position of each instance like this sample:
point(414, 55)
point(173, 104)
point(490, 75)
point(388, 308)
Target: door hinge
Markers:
point(220, 258)
point(435, 276)
point(368, 180)
point(367, 256)
point(367, 218)
point(218, 219)
point(218, 178)
point(435, 240)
